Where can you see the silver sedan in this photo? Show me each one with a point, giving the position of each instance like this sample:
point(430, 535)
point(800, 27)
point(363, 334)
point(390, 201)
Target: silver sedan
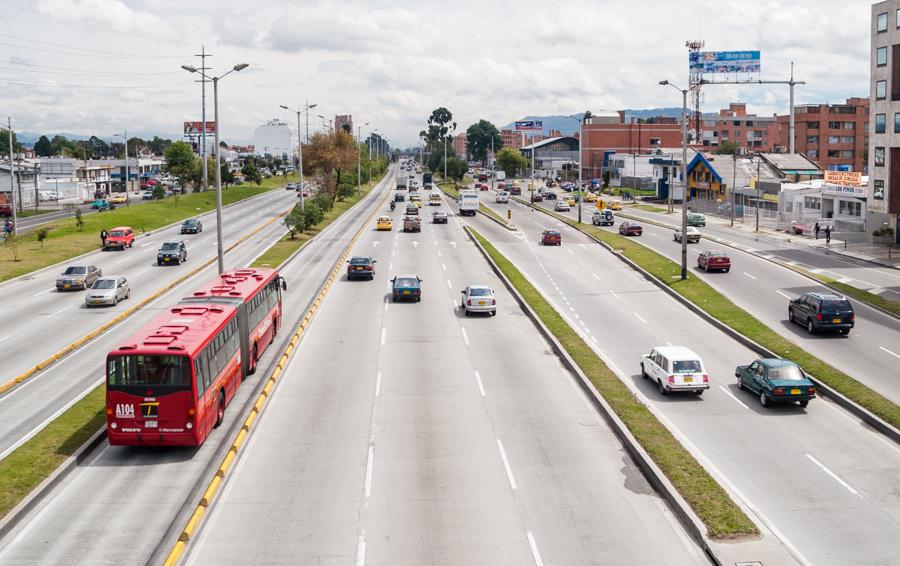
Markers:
point(107, 291)
point(479, 298)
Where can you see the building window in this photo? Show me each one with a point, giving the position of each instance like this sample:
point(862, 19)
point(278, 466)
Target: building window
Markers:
point(898, 18)
point(849, 208)
point(812, 139)
point(812, 125)
point(879, 157)
point(880, 90)
point(848, 125)
point(812, 203)
point(655, 141)
point(848, 139)
point(882, 22)
point(878, 190)
point(881, 57)
point(833, 139)
point(879, 123)
point(814, 153)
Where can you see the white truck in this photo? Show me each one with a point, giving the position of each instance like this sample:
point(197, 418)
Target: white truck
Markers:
point(500, 175)
point(468, 202)
point(401, 183)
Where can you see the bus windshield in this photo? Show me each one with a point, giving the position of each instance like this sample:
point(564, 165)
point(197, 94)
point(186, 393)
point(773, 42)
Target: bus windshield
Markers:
point(149, 371)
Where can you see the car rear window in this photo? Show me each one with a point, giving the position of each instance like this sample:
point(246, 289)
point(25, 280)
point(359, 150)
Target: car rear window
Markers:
point(479, 292)
point(791, 373)
point(717, 254)
point(117, 233)
point(406, 282)
point(360, 261)
point(552, 233)
point(841, 305)
point(686, 366)
point(75, 271)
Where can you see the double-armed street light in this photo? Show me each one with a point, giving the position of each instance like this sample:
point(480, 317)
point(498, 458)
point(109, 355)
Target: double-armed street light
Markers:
point(305, 110)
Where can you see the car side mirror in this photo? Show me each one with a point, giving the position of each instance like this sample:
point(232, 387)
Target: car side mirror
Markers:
point(463, 292)
point(374, 261)
point(283, 284)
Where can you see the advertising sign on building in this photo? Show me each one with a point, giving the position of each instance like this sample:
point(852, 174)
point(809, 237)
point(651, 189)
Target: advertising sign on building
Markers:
point(845, 178)
point(196, 128)
point(724, 62)
point(844, 190)
point(529, 125)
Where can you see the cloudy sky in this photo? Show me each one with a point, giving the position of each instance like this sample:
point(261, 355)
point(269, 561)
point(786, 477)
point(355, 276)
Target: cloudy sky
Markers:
point(98, 66)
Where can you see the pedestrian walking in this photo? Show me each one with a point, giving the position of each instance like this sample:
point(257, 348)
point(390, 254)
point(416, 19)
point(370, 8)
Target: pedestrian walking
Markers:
point(7, 228)
point(817, 230)
point(828, 234)
point(103, 235)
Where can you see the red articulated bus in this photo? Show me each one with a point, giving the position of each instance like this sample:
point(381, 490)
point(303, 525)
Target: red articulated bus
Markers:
point(169, 384)
point(256, 293)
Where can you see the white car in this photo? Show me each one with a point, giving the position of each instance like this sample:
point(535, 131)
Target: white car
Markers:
point(107, 291)
point(693, 235)
point(479, 298)
point(561, 206)
point(502, 197)
point(675, 368)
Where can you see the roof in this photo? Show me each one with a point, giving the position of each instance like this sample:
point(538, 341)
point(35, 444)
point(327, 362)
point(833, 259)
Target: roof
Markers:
point(235, 284)
point(549, 141)
point(182, 329)
point(726, 169)
point(677, 352)
point(791, 163)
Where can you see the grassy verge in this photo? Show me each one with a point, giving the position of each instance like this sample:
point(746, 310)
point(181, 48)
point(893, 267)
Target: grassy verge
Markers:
point(65, 240)
point(34, 461)
point(859, 294)
point(286, 246)
point(650, 208)
point(32, 212)
point(722, 517)
point(451, 188)
point(721, 308)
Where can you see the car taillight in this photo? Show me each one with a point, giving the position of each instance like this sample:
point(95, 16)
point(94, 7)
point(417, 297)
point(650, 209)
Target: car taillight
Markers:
point(778, 391)
point(810, 390)
point(852, 316)
point(818, 316)
point(493, 302)
point(671, 379)
point(705, 378)
point(368, 268)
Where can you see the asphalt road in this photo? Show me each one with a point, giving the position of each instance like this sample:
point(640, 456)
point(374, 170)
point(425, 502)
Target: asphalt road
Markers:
point(31, 222)
point(411, 434)
point(116, 506)
point(870, 353)
point(817, 478)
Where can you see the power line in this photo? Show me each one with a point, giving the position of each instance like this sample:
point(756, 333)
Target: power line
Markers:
point(58, 85)
point(108, 56)
point(76, 72)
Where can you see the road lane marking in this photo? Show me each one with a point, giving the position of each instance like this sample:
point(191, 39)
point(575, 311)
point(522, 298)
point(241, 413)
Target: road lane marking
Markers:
point(444, 267)
point(361, 550)
point(480, 385)
point(785, 295)
point(817, 270)
point(59, 311)
point(378, 385)
point(439, 253)
point(3, 339)
point(570, 251)
point(652, 234)
point(449, 284)
point(370, 465)
point(42, 292)
point(597, 277)
point(739, 402)
point(750, 276)
point(534, 549)
point(845, 280)
point(879, 347)
point(640, 318)
point(123, 260)
point(391, 266)
point(509, 474)
point(833, 475)
point(464, 335)
point(145, 245)
point(614, 293)
point(383, 335)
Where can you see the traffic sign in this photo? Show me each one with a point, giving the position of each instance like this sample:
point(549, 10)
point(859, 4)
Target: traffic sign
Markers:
point(601, 204)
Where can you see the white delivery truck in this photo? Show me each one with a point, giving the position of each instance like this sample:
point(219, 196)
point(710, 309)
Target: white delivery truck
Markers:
point(500, 175)
point(468, 202)
point(401, 183)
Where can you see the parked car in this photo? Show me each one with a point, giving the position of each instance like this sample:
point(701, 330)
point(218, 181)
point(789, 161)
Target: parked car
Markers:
point(171, 252)
point(713, 259)
point(100, 204)
point(691, 234)
point(562, 206)
point(78, 277)
point(362, 267)
point(412, 224)
point(107, 291)
point(675, 368)
point(602, 218)
point(820, 311)
point(551, 238)
point(191, 226)
point(776, 381)
point(630, 229)
point(147, 195)
point(696, 219)
point(121, 237)
point(478, 298)
point(439, 217)
point(406, 287)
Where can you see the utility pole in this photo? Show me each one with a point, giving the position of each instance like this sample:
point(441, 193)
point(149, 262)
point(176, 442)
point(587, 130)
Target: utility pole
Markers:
point(307, 127)
point(758, 163)
point(580, 180)
point(12, 177)
point(491, 159)
point(203, 68)
point(733, 182)
point(127, 172)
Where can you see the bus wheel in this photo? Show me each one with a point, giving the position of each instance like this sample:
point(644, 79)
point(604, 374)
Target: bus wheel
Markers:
point(252, 369)
point(220, 410)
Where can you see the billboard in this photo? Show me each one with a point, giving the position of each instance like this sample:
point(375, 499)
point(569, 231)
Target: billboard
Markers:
point(529, 125)
point(196, 128)
point(724, 62)
point(844, 178)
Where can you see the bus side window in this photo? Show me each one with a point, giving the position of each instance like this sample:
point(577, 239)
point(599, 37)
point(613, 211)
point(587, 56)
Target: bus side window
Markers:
point(198, 377)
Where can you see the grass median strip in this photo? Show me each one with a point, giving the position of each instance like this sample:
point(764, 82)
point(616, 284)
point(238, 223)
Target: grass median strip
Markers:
point(30, 464)
point(722, 517)
point(650, 208)
point(721, 308)
point(66, 240)
point(859, 294)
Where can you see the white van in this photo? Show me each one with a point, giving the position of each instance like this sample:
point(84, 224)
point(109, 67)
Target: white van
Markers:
point(675, 368)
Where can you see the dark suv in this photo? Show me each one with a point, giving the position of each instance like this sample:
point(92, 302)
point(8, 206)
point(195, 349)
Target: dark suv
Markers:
point(822, 311)
point(171, 252)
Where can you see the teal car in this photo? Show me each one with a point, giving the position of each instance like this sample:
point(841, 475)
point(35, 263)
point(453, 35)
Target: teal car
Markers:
point(100, 204)
point(696, 219)
point(776, 381)
point(406, 288)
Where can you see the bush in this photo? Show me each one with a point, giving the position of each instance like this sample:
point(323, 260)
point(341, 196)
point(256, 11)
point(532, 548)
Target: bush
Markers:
point(295, 221)
point(884, 232)
point(42, 235)
point(79, 221)
point(313, 215)
point(345, 190)
point(324, 202)
point(158, 192)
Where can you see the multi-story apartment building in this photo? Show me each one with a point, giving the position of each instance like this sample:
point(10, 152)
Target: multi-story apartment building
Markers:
point(835, 136)
point(755, 133)
point(605, 133)
point(459, 144)
point(341, 120)
point(511, 138)
point(884, 101)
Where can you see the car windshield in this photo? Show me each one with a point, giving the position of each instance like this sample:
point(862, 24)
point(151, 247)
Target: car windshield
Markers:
point(476, 292)
point(686, 366)
point(117, 234)
point(170, 247)
point(360, 261)
point(790, 373)
point(190, 222)
point(405, 282)
point(839, 305)
point(104, 284)
point(149, 370)
point(75, 271)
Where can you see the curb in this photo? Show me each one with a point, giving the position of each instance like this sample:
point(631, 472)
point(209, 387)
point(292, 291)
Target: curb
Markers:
point(848, 404)
point(509, 227)
point(682, 511)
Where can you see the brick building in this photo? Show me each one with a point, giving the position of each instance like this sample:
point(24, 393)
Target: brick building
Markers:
point(511, 138)
point(606, 132)
point(755, 133)
point(835, 136)
point(459, 144)
point(341, 119)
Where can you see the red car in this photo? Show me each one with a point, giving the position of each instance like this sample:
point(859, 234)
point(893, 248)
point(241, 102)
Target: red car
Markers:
point(501, 184)
point(630, 229)
point(713, 259)
point(551, 238)
point(121, 237)
point(538, 197)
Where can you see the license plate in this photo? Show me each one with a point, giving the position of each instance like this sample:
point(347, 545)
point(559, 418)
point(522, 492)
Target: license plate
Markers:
point(482, 302)
point(67, 286)
point(167, 259)
point(151, 424)
point(795, 392)
point(689, 379)
point(836, 320)
point(359, 269)
point(406, 292)
point(97, 301)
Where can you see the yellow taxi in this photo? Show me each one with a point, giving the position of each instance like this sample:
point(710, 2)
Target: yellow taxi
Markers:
point(590, 197)
point(416, 198)
point(570, 201)
point(615, 205)
point(384, 223)
point(117, 198)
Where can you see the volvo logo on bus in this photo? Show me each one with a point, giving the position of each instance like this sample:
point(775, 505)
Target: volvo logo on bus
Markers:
point(124, 411)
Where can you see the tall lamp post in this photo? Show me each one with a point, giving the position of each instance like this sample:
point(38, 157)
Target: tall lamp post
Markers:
point(359, 156)
point(215, 82)
point(684, 192)
point(300, 143)
point(580, 180)
point(127, 172)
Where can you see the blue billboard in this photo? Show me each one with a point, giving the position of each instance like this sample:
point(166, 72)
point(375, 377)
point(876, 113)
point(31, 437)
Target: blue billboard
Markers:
point(724, 62)
point(529, 125)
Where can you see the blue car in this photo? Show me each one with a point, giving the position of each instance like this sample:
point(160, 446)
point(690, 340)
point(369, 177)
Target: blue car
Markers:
point(776, 381)
point(406, 288)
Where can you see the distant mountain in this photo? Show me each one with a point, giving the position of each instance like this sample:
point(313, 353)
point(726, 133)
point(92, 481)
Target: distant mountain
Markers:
point(643, 114)
point(29, 138)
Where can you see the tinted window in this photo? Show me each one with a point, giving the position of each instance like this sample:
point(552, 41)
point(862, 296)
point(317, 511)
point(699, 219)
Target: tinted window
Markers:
point(686, 366)
point(75, 271)
point(170, 246)
point(152, 370)
point(117, 233)
point(792, 373)
point(360, 261)
point(104, 284)
point(834, 305)
point(479, 292)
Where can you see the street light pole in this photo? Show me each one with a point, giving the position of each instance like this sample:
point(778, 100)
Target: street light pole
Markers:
point(12, 178)
point(300, 144)
point(359, 157)
point(684, 191)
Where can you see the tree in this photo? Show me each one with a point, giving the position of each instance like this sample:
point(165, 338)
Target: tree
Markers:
point(510, 161)
point(479, 137)
point(227, 175)
point(64, 147)
point(727, 147)
point(312, 215)
point(42, 233)
point(330, 153)
point(456, 168)
point(295, 220)
point(158, 192)
point(251, 173)
point(4, 143)
point(440, 123)
point(180, 161)
point(159, 145)
point(43, 147)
